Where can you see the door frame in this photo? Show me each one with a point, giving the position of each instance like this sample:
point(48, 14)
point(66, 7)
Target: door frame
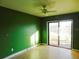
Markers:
point(58, 32)
point(56, 21)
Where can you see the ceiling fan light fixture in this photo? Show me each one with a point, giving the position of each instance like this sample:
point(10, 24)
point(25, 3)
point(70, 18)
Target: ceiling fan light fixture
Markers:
point(44, 10)
point(45, 6)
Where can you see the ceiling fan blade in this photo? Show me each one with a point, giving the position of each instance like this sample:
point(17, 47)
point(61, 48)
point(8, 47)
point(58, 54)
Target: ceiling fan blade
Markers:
point(52, 11)
point(46, 11)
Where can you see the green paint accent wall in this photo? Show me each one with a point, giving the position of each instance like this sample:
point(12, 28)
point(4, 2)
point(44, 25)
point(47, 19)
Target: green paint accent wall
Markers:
point(73, 16)
point(16, 31)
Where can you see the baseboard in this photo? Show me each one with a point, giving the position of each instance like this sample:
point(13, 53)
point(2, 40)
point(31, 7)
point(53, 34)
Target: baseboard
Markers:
point(20, 52)
point(75, 50)
point(43, 44)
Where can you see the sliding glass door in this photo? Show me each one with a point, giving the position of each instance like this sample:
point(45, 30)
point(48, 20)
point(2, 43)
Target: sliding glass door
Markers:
point(60, 33)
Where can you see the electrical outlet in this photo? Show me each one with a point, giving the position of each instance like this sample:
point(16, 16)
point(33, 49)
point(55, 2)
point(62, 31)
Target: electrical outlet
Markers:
point(12, 49)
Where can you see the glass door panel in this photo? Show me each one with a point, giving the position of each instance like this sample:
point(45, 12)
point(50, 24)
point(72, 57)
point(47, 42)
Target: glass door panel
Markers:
point(53, 34)
point(65, 34)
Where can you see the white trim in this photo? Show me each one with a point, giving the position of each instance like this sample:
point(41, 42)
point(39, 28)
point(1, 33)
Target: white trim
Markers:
point(20, 52)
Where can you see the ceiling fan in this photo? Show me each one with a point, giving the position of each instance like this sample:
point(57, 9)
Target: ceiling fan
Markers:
point(45, 10)
point(44, 4)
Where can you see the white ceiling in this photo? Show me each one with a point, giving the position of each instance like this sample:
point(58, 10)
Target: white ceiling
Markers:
point(34, 6)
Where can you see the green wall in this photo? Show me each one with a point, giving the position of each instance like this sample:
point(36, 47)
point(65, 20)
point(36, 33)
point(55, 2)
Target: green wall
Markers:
point(16, 31)
point(73, 16)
